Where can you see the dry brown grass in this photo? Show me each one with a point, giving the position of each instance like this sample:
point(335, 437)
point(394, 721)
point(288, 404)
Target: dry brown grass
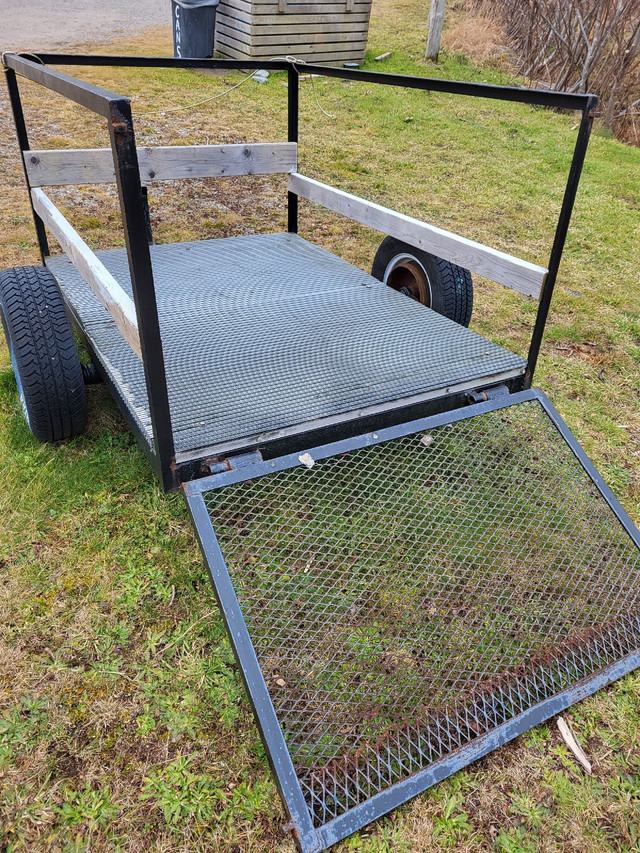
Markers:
point(479, 37)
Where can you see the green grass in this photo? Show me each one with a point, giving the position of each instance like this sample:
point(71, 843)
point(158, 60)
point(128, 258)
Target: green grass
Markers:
point(123, 724)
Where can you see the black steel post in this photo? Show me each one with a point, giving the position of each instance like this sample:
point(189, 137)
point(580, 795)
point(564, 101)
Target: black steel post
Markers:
point(125, 160)
point(562, 228)
point(293, 99)
point(23, 142)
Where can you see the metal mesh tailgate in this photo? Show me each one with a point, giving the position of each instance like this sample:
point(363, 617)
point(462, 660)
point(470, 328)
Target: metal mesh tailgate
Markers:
point(416, 598)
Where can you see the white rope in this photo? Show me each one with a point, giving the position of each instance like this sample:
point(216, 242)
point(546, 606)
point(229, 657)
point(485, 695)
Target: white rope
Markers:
point(198, 103)
point(291, 59)
point(295, 62)
point(32, 55)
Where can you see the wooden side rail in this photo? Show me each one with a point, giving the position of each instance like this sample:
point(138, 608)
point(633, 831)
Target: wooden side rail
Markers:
point(498, 266)
point(63, 167)
point(107, 290)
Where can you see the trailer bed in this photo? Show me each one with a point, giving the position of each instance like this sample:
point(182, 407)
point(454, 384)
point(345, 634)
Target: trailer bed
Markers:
point(266, 333)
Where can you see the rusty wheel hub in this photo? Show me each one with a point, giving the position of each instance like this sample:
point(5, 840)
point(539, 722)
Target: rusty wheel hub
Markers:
point(407, 275)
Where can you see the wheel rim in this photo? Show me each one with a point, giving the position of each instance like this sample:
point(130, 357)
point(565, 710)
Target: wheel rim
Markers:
point(406, 274)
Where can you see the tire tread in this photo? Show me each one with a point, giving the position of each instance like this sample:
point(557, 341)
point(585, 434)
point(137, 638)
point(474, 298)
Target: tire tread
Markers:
point(44, 348)
point(451, 285)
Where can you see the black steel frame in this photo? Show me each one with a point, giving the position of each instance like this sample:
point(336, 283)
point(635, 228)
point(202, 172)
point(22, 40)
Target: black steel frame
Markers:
point(117, 112)
point(308, 838)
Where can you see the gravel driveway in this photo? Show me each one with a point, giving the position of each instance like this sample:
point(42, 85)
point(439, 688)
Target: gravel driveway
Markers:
point(53, 24)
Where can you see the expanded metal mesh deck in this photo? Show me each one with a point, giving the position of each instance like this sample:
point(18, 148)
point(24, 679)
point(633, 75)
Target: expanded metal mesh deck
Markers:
point(407, 598)
point(266, 332)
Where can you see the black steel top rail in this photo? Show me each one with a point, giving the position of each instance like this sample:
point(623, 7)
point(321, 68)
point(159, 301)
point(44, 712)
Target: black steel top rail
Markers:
point(94, 98)
point(155, 61)
point(539, 97)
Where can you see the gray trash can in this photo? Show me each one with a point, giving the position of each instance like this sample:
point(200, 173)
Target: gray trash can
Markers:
point(194, 24)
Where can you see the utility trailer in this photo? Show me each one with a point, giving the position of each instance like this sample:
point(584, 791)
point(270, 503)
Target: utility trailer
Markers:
point(414, 559)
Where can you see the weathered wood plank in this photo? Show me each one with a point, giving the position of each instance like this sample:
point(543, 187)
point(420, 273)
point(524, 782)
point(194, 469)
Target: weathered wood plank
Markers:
point(230, 49)
point(228, 6)
point(306, 23)
point(260, 20)
point(284, 39)
point(319, 38)
point(233, 32)
point(498, 266)
point(225, 22)
point(314, 52)
point(95, 165)
point(107, 290)
point(285, 24)
point(211, 161)
point(264, 54)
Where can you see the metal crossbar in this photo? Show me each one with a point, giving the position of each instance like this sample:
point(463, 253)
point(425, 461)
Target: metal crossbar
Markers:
point(410, 599)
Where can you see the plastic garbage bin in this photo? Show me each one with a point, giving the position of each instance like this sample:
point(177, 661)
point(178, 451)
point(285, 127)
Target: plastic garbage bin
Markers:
point(194, 23)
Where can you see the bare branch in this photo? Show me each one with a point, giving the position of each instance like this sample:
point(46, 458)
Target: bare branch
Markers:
point(578, 45)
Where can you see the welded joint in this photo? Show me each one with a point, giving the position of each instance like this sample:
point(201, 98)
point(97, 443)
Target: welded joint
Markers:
point(221, 465)
point(488, 394)
point(304, 843)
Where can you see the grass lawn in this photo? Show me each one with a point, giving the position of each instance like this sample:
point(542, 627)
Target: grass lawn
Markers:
point(123, 725)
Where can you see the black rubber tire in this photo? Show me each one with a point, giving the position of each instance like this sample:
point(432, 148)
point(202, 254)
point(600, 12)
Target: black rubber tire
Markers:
point(436, 283)
point(43, 353)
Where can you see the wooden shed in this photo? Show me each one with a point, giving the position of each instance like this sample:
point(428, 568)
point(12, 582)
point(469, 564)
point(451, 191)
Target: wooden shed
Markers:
point(332, 33)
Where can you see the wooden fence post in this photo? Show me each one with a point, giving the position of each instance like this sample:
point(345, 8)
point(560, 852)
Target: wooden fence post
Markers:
point(436, 20)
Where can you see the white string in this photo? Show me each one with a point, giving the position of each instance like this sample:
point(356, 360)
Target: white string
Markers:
point(198, 103)
point(32, 55)
point(295, 62)
point(292, 59)
point(315, 95)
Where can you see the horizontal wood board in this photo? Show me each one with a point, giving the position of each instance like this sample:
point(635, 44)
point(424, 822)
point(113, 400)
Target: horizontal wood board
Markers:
point(259, 9)
point(62, 167)
point(234, 49)
point(288, 29)
point(491, 263)
point(297, 21)
point(106, 289)
point(291, 41)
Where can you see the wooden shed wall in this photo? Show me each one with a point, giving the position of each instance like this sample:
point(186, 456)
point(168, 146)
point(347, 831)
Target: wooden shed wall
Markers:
point(317, 32)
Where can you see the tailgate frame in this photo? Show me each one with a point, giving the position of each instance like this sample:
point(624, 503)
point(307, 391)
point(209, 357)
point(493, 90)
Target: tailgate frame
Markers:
point(313, 838)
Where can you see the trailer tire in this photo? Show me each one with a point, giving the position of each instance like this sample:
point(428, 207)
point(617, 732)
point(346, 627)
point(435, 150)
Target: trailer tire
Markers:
point(43, 353)
point(432, 281)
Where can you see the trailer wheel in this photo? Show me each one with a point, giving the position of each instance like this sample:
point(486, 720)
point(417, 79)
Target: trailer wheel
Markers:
point(436, 283)
point(43, 353)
